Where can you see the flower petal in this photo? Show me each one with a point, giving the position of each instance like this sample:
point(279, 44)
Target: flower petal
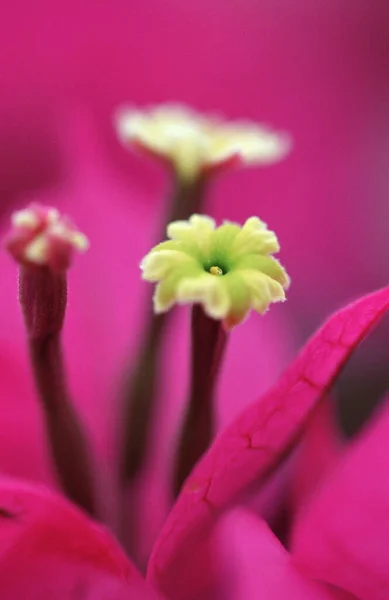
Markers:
point(254, 237)
point(263, 289)
point(254, 564)
point(158, 265)
point(317, 454)
point(343, 536)
point(208, 290)
point(267, 265)
point(240, 299)
point(250, 449)
point(49, 549)
point(198, 229)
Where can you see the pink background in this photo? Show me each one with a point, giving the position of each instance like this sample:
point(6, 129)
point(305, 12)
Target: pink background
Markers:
point(316, 68)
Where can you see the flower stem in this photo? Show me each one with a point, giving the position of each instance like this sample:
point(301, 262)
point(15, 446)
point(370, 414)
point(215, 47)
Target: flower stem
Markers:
point(187, 198)
point(208, 344)
point(42, 296)
point(139, 401)
point(139, 392)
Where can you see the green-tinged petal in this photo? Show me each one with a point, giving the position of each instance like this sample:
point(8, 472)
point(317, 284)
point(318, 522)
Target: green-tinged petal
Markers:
point(195, 234)
point(158, 265)
point(189, 247)
point(254, 224)
point(207, 290)
point(168, 245)
point(263, 290)
point(254, 237)
point(220, 250)
point(266, 264)
point(197, 225)
point(164, 296)
point(240, 299)
point(166, 291)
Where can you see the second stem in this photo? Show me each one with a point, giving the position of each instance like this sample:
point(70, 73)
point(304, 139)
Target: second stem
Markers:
point(208, 344)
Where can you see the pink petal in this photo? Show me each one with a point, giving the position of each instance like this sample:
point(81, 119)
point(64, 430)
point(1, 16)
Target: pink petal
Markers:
point(49, 549)
point(298, 476)
point(254, 564)
point(343, 537)
point(251, 448)
point(318, 452)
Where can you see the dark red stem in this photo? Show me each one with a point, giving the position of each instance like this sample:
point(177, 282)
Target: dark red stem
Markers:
point(42, 295)
point(208, 345)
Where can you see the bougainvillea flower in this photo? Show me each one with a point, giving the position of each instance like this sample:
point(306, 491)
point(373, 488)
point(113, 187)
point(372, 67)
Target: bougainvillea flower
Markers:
point(193, 143)
point(229, 51)
point(228, 269)
point(245, 454)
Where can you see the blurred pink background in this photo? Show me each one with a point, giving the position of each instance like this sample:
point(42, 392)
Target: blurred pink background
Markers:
point(317, 69)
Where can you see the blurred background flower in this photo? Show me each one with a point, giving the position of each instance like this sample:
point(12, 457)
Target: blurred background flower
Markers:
point(315, 69)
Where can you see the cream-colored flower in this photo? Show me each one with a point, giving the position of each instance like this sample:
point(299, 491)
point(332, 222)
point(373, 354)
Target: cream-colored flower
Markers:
point(193, 143)
point(228, 269)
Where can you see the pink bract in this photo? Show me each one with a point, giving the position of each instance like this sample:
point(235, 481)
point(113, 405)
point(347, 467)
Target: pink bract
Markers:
point(342, 536)
point(250, 448)
point(46, 543)
point(49, 549)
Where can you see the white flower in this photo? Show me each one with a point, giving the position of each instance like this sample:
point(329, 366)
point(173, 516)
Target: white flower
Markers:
point(194, 143)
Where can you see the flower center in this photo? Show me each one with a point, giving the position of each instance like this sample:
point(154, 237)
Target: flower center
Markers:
point(216, 270)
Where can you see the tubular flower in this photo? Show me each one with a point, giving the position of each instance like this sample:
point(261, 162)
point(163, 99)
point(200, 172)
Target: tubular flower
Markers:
point(193, 143)
point(43, 241)
point(228, 269)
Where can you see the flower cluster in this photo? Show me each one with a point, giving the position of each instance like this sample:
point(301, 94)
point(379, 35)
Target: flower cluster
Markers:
point(214, 543)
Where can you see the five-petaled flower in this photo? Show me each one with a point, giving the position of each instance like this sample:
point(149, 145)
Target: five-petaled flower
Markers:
point(228, 269)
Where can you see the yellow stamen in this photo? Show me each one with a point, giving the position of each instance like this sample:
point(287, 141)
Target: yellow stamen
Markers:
point(216, 271)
